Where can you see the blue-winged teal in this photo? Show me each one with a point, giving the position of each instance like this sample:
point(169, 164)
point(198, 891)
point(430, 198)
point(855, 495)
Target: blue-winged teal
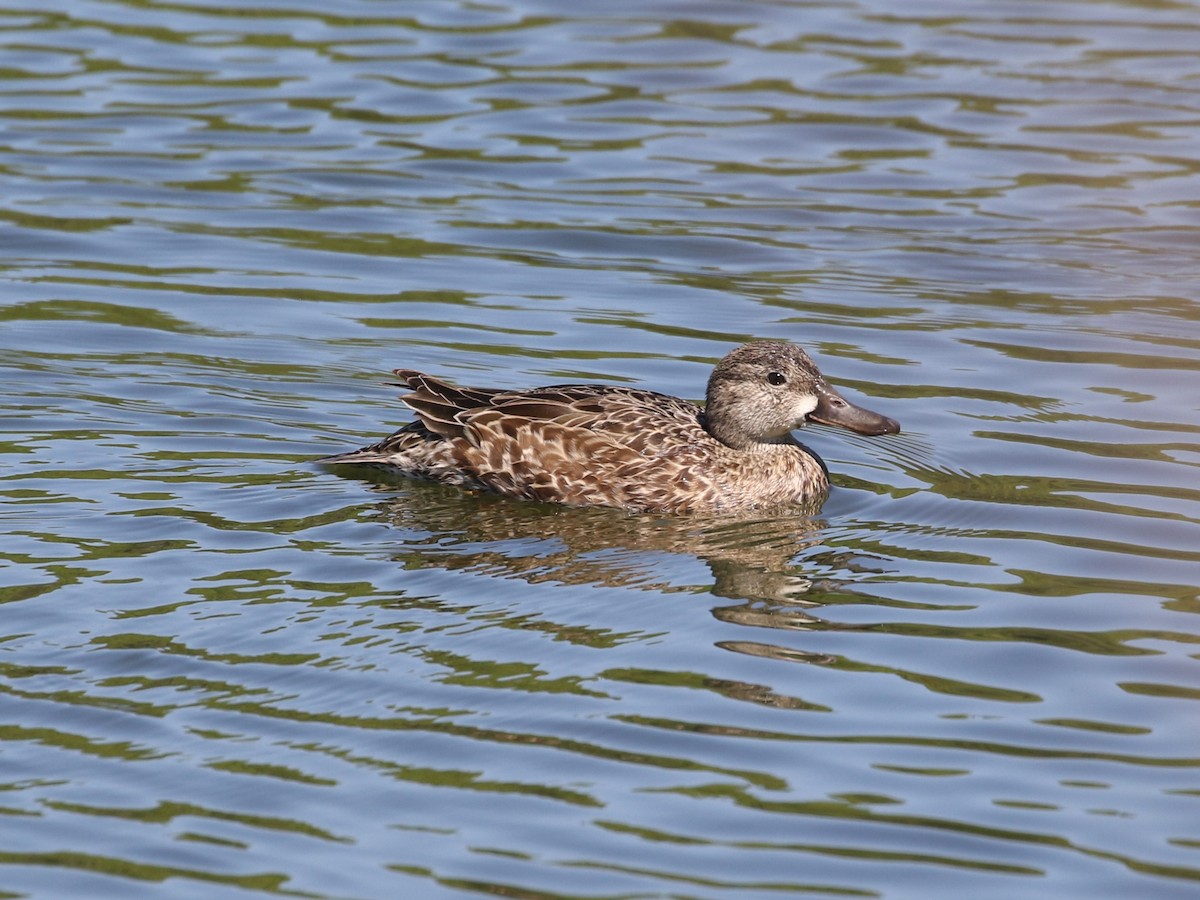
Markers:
point(596, 445)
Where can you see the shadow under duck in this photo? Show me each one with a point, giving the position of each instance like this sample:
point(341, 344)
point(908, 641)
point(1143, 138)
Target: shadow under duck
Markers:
point(601, 445)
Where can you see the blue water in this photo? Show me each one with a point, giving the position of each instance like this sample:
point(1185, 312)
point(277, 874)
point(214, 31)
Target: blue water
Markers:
point(226, 671)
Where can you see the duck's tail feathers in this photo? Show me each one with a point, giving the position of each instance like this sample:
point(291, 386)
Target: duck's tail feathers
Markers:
point(438, 404)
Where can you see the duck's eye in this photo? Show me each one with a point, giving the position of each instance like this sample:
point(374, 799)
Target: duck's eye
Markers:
point(776, 378)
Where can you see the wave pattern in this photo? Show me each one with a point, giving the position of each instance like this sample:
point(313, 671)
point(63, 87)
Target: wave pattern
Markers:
point(227, 670)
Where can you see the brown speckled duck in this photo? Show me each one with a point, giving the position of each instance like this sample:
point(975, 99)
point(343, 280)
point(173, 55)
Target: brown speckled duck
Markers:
point(597, 445)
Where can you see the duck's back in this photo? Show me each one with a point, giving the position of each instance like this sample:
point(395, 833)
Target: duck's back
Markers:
point(578, 444)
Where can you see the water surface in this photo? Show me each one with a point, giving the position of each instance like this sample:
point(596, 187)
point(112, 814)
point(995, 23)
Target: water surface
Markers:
point(225, 671)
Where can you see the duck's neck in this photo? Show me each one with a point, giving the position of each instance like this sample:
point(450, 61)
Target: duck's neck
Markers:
point(739, 435)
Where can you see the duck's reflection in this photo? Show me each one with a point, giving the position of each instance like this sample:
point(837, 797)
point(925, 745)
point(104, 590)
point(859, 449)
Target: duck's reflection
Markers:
point(752, 563)
point(748, 558)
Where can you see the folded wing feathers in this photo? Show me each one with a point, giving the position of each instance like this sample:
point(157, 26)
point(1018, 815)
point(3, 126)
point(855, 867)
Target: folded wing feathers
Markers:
point(448, 411)
point(542, 459)
point(577, 444)
point(566, 422)
point(440, 405)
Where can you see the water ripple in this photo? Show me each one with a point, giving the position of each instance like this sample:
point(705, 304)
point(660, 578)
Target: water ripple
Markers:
point(225, 668)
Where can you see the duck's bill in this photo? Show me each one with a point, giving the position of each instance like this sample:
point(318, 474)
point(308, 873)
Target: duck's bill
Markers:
point(833, 409)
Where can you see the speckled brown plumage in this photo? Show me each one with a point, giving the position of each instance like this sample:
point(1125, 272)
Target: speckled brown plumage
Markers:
point(596, 445)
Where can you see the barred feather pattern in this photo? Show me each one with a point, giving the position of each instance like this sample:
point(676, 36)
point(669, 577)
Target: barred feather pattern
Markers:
point(586, 445)
point(599, 445)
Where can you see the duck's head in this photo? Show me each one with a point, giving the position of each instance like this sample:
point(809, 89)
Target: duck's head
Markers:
point(760, 392)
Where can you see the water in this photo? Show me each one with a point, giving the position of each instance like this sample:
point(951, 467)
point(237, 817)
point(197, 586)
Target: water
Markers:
point(228, 672)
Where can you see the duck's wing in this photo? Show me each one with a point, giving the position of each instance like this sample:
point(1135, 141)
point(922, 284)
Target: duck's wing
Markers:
point(597, 407)
point(645, 422)
point(627, 416)
point(438, 404)
point(580, 444)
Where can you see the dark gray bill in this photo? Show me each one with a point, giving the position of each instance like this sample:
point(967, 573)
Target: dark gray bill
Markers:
point(833, 409)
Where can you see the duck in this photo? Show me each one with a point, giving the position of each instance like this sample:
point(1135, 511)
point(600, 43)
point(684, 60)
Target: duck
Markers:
point(625, 447)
